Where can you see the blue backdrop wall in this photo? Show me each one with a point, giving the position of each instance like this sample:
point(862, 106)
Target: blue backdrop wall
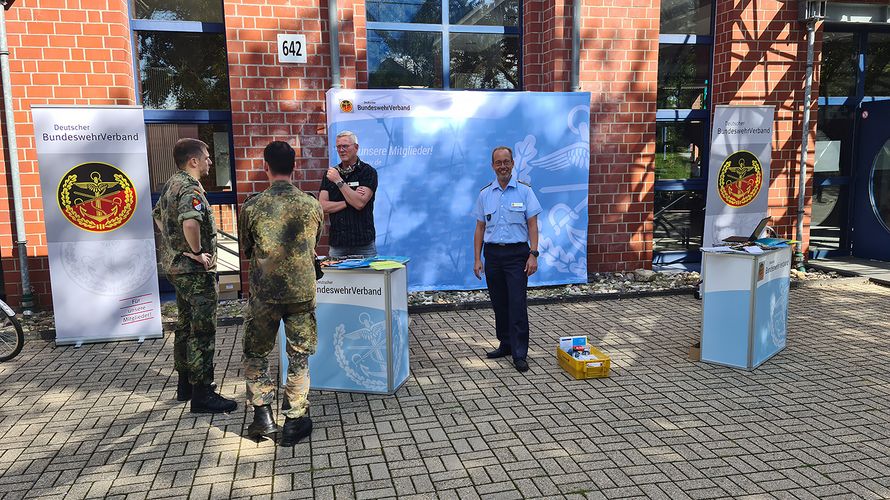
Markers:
point(432, 152)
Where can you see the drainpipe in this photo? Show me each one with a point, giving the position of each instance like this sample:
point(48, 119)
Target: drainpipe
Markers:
point(334, 31)
point(576, 45)
point(13, 162)
point(804, 143)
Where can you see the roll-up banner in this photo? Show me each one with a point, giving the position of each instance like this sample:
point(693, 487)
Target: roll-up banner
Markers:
point(432, 151)
point(738, 181)
point(97, 207)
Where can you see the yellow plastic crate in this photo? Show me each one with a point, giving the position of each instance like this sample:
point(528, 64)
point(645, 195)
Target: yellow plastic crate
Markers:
point(592, 368)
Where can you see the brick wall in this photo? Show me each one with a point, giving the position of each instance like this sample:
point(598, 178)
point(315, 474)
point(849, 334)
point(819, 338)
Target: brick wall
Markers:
point(59, 54)
point(760, 59)
point(272, 101)
point(619, 67)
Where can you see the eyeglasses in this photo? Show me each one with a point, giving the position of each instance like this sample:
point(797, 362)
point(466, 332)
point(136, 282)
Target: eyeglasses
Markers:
point(344, 146)
point(502, 163)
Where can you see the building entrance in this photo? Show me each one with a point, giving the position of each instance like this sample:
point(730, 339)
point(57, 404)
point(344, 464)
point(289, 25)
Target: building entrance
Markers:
point(871, 206)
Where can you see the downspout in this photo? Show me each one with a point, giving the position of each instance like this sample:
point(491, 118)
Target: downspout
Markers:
point(804, 143)
point(576, 45)
point(334, 31)
point(13, 162)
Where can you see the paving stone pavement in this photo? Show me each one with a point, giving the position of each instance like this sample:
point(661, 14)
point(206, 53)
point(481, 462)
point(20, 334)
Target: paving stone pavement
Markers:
point(813, 422)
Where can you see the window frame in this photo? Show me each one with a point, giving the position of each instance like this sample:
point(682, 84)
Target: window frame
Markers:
point(663, 115)
point(446, 28)
point(184, 116)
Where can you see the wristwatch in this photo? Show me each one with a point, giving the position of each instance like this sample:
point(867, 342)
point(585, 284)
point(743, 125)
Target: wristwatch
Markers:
point(535, 253)
point(340, 183)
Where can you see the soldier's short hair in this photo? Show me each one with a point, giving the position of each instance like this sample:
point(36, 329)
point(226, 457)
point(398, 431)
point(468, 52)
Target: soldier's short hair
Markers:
point(186, 149)
point(280, 157)
point(350, 134)
point(501, 148)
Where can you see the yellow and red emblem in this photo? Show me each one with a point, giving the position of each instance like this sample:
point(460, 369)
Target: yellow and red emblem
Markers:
point(96, 197)
point(346, 106)
point(739, 179)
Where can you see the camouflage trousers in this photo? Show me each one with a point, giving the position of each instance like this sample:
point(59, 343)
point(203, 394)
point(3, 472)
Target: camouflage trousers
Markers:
point(195, 339)
point(260, 331)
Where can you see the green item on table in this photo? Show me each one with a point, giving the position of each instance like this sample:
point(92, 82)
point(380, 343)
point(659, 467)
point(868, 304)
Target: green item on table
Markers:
point(386, 264)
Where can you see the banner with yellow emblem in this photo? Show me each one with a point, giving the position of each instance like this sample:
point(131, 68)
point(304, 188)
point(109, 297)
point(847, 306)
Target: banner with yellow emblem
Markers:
point(738, 175)
point(97, 209)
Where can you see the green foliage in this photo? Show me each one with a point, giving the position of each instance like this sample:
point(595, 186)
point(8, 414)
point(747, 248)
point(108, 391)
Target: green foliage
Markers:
point(183, 70)
point(672, 166)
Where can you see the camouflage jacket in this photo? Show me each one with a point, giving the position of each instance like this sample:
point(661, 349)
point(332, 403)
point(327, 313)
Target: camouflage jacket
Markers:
point(183, 198)
point(278, 230)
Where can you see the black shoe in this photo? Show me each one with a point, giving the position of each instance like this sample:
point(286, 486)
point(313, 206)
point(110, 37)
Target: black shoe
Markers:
point(263, 422)
point(521, 365)
point(500, 352)
point(295, 429)
point(183, 387)
point(205, 400)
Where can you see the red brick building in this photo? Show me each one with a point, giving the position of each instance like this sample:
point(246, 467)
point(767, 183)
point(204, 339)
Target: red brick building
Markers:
point(655, 70)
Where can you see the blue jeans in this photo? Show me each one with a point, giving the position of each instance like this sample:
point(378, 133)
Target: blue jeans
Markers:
point(369, 250)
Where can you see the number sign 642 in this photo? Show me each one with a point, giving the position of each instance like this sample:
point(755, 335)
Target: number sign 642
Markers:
point(291, 48)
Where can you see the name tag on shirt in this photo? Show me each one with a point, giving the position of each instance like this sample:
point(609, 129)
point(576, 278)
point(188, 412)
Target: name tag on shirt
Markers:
point(517, 204)
point(352, 184)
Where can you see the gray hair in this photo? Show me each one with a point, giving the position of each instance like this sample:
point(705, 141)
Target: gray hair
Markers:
point(347, 133)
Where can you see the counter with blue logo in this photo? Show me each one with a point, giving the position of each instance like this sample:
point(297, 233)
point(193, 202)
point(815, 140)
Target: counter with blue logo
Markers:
point(745, 306)
point(363, 335)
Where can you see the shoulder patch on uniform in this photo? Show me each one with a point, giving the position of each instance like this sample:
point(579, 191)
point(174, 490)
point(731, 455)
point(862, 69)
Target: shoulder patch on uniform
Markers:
point(485, 186)
point(523, 182)
point(196, 203)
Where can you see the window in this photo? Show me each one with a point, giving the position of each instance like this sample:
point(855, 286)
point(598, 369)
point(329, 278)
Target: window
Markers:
point(679, 220)
point(180, 54)
point(182, 70)
point(208, 11)
point(460, 44)
point(161, 137)
point(404, 58)
point(840, 63)
point(686, 17)
point(678, 149)
point(683, 74)
point(877, 65)
point(682, 128)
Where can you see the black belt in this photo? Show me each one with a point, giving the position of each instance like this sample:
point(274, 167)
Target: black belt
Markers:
point(507, 244)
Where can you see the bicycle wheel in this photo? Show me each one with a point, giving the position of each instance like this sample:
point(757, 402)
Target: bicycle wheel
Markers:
point(12, 338)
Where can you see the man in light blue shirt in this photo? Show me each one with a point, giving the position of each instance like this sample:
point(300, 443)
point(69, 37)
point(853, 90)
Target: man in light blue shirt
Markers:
point(507, 227)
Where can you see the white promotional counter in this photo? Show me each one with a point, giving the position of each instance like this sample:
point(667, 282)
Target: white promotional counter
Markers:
point(744, 306)
point(362, 331)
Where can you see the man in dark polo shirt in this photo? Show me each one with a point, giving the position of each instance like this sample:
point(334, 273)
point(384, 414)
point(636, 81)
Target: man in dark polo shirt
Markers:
point(347, 196)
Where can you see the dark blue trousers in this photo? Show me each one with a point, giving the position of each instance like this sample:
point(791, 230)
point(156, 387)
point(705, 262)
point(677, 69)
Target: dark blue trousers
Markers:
point(507, 282)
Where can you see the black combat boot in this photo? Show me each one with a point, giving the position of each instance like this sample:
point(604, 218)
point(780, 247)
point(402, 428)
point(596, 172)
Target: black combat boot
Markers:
point(205, 400)
point(263, 422)
point(295, 429)
point(183, 387)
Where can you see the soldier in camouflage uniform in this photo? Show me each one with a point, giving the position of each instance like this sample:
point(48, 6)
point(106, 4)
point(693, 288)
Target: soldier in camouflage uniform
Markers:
point(187, 254)
point(278, 231)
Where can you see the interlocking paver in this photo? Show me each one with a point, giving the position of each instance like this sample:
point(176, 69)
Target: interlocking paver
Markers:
point(813, 422)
